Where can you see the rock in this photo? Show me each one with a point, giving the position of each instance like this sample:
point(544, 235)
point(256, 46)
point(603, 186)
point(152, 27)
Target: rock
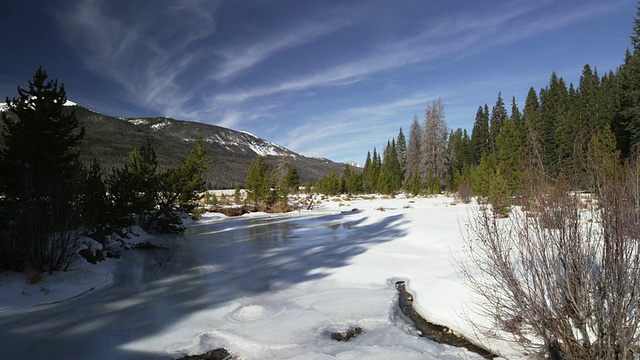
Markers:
point(88, 255)
point(348, 335)
point(216, 354)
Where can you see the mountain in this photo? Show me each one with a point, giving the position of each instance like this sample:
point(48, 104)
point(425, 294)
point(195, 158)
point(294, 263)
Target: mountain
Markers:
point(110, 140)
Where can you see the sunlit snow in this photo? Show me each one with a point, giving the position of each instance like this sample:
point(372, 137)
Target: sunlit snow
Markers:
point(264, 287)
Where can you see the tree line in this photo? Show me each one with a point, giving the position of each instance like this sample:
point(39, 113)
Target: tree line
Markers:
point(548, 139)
point(49, 200)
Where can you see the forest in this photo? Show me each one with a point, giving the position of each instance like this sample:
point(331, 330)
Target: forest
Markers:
point(551, 138)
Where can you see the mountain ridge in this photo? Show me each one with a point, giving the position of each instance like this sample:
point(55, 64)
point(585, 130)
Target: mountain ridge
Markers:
point(111, 139)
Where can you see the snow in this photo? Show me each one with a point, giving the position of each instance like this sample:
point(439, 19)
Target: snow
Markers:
point(138, 121)
point(160, 125)
point(270, 286)
point(4, 107)
point(16, 294)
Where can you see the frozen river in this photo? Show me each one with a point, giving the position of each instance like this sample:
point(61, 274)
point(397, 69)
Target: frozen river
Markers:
point(263, 288)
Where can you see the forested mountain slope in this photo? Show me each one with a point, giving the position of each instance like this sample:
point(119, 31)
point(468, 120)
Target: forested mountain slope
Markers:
point(110, 140)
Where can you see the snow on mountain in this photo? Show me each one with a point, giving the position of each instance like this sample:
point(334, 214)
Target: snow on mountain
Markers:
point(263, 147)
point(137, 121)
point(4, 107)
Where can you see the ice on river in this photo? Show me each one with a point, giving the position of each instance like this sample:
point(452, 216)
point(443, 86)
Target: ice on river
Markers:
point(265, 287)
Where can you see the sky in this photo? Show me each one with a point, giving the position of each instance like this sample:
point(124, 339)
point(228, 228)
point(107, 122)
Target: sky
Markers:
point(324, 78)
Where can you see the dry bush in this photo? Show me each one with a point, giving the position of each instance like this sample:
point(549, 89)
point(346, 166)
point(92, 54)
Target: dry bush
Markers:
point(464, 192)
point(555, 283)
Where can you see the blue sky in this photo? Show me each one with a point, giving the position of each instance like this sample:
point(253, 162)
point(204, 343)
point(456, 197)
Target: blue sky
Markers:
point(326, 78)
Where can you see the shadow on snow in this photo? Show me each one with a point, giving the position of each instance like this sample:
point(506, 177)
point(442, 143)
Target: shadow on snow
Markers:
point(211, 265)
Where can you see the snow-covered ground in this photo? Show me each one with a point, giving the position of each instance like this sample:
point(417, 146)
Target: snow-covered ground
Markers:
point(263, 286)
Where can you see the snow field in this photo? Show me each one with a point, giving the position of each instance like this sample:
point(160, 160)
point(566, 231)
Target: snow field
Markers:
point(285, 293)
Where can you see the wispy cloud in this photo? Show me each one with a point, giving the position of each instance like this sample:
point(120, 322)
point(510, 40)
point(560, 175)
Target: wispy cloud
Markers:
point(457, 36)
point(358, 126)
point(143, 49)
point(247, 56)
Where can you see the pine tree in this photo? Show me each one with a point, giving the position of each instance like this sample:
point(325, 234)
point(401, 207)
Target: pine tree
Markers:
point(534, 158)
point(40, 178)
point(390, 179)
point(237, 194)
point(329, 185)
point(498, 116)
point(401, 148)
point(554, 101)
point(413, 149)
point(293, 180)
point(95, 205)
point(480, 134)
point(366, 182)
point(603, 159)
point(456, 153)
point(258, 181)
point(371, 173)
point(612, 110)
point(179, 190)
point(483, 175)
point(509, 158)
point(518, 121)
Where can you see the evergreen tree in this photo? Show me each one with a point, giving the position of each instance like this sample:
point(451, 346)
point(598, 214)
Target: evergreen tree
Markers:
point(554, 101)
point(483, 175)
point(414, 185)
point(40, 179)
point(371, 173)
point(413, 149)
point(237, 194)
point(518, 121)
point(612, 110)
point(258, 181)
point(456, 153)
point(180, 187)
point(401, 149)
point(390, 179)
point(480, 134)
point(498, 116)
point(603, 160)
point(350, 181)
point(366, 175)
point(509, 158)
point(95, 205)
point(141, 194)
point(133, 189)
point(292, 180)
point(629, 82)
point(329, 185)
point(534, 158)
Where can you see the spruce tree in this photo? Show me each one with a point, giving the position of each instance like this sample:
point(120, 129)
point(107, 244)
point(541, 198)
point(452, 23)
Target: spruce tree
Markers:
point(498, 116)
point(258, 181)
point(480, 134)
point(534, 158)
point(456, 153)
point(390, 179)
point(366, 174)
point(40, 178)
point(401, 148)
point(413, 149)
point(509, 158)
point(554, 101)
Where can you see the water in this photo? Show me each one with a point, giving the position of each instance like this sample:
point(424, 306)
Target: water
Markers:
point(208, 267)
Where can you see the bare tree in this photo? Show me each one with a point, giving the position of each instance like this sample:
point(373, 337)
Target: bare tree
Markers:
point(561, 277)
point(434, 155)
